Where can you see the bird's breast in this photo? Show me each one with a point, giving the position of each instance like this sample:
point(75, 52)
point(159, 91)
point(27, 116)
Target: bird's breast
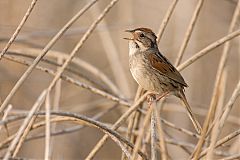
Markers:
point(146, 76)
point(141, 72)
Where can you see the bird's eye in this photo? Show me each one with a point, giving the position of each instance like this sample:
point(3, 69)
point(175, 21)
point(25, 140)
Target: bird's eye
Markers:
point(141, 35)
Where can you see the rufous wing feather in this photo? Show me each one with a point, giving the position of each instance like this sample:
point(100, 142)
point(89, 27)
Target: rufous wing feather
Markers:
point(164, 67)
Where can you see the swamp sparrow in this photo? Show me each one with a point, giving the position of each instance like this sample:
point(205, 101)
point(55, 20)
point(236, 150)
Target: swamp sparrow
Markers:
point(152, 71)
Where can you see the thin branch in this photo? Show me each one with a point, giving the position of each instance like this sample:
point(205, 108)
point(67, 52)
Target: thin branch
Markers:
point(213, 103)
point(221, 141)
point(165, 20)
point(201, 110)
point(5, 116)
point(192, 146)
point(73, 81)
point(83, 120)
point(229, 105)
point(220, 120)
point(167, 123)
point(25, 133)
point(154, 152)
point(207, 49)
point(75, 128)
point(189, 32)
point(47, 128)
point(80, 43)
point(215, 96)
point(79, 62)
point(15, 34)
point(233, 157)
point(24, 125)
point(42, 54)
point(116, 125)
point(133, 120)
point(56, 105)
point(63, 131)
point(112, 54)
point(74, 71)
point(162, 144)
point(141, 133)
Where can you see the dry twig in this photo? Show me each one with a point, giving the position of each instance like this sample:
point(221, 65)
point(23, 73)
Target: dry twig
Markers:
point(15, 34)
point(43, 53)
point(215, 96)
point(166, 19)
point(24, 125)
point(189, 32)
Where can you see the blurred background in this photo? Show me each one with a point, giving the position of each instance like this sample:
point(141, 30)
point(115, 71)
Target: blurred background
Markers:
point(107, 51)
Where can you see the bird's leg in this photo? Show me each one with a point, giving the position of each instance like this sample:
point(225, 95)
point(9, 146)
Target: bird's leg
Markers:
point(150, 98)
point(153, 97)
point(162, 95)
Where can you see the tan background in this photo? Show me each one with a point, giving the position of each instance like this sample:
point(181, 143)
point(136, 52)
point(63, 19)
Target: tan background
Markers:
point(49, 16)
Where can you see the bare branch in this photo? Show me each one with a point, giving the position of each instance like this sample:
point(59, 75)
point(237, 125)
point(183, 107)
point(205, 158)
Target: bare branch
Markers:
point(15, 34)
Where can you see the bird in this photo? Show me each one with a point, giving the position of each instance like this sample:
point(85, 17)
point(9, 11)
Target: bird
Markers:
point(153, 71)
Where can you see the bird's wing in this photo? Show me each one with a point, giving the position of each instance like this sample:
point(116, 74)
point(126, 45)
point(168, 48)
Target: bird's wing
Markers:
point(161, 64)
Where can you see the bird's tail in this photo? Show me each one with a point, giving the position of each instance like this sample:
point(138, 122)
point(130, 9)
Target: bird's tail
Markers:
point(194, 120)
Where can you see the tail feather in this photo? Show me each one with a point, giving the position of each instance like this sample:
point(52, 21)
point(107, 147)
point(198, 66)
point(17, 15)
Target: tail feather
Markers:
point(191, 115)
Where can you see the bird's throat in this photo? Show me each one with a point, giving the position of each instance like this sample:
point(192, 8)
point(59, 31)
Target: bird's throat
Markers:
point(133, 48)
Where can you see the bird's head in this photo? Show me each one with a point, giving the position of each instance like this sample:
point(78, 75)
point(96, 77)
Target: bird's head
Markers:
point(144, 38)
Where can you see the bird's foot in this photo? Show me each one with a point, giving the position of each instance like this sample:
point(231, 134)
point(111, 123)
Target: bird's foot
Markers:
point(151, 98)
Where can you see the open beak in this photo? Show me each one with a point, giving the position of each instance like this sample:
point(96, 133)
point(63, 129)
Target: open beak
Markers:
point(129, 31)
point(130, 39)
